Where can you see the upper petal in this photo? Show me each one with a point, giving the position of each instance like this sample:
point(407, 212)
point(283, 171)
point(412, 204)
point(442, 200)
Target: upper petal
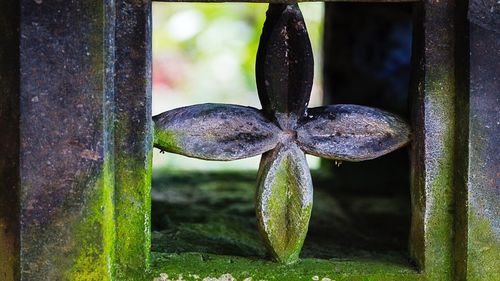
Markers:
point(215, 132)
point(285, 65)
point(351, 132)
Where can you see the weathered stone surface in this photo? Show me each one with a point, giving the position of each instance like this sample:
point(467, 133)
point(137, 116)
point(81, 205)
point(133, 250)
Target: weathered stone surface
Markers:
point(204, 224)
point(215, 132)
point(432, 155)
point(284, 201)
point(66, 178)
point(133, 136)
point(285, 66)
point(481, 118)
point(486, 14)
point(9, 141)
point(351, 132)
point(69, 112)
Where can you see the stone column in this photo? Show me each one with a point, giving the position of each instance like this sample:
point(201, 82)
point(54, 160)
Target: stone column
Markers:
point(75, 166)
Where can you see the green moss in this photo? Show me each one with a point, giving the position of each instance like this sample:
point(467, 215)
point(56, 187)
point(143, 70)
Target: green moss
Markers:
point(165, 140)
point(133, 215)
point(483, 248)
point(194, 266)
point(439, 225)
point(288, 220)
point(439, 169)
point(102, 256)
point(95, 234)
point(213, 214)
point(200, 213)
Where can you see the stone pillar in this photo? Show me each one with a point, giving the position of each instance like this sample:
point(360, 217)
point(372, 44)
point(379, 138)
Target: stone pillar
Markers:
point(478, 153)
point(133, 137)
point(76, 106)
point(432, 155)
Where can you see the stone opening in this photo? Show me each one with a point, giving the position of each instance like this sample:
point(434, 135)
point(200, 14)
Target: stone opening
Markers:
point(361, 210)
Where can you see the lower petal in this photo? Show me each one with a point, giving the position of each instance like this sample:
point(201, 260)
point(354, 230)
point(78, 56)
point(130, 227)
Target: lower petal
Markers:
point(284, 201)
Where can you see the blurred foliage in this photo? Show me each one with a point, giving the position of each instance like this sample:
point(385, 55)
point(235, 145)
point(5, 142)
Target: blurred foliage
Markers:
point(205, 52)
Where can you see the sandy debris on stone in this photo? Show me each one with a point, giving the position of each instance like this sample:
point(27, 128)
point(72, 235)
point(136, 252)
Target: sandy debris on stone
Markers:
point(223, 277)
point(163, 277)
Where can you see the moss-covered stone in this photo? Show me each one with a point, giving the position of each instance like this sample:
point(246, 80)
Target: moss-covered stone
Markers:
point(196, 266)
point(95, 233)
point(204, 224)
point(284, 201)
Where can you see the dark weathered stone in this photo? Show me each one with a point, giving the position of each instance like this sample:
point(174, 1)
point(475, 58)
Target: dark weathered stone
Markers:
point(64, 108)
point(215, 132)
point(133, 137)
point(486, 14)
point(480, 117)
point(66, 97)
point(351, 132)
point(9, 141)
point(285, 66)
point(284, 201)
point(432, 155)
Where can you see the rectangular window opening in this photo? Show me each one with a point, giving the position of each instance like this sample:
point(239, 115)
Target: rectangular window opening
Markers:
point(206, 53)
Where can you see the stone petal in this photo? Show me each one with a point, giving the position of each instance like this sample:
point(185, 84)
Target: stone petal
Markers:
point(351, 132)
point(215, 132)
point(285, 65)
point(284, 201)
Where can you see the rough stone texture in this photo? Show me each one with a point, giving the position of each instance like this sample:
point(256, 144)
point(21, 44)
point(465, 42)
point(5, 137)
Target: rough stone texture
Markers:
point(433, 106)
point(67, 111)
point(215, 132)
point(483, 117)
point(486, 14)
point(133, 137)
point(65, 174)
point(351, 132)
point(9, 140)
point(284, 201)
point(285, 66)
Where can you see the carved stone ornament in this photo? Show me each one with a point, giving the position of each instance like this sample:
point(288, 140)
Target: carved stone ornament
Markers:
point(283, 131)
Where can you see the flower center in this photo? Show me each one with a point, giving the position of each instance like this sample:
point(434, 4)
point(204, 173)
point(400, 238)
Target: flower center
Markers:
point(288, 136)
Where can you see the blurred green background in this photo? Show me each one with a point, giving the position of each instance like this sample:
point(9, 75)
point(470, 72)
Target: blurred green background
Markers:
point(206, 53)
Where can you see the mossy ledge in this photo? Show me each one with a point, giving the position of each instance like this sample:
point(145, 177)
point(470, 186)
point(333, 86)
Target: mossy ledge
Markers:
point(196, 266)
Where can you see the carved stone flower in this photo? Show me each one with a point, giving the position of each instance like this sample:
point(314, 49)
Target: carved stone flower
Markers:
point(283, 131)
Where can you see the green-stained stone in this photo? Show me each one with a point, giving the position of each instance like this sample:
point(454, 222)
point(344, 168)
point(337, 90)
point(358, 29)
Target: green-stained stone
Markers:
point(284, 201)
point(204, 224)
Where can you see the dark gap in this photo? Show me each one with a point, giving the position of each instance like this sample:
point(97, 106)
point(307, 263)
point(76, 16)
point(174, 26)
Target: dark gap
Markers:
point(367, 55)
